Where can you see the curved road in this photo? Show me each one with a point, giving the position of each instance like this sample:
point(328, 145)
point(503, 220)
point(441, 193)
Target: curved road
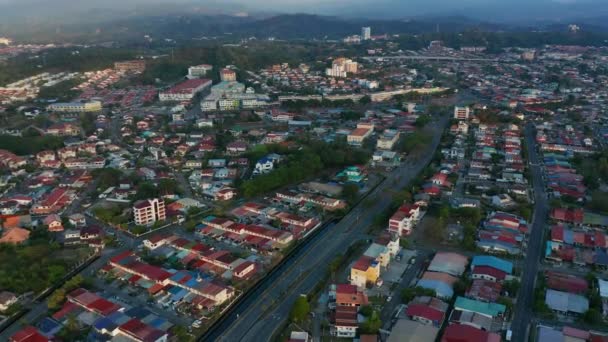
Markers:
point(258, 318)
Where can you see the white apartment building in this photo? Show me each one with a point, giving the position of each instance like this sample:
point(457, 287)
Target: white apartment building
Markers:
point(366, 33)
point(341, 67)
point(149, 211)
point(199, 70)
point(388, 139)
point(76, 107)
point(462, 113)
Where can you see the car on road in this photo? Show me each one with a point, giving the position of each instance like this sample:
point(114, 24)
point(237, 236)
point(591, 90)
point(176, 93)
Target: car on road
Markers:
point(389, 298)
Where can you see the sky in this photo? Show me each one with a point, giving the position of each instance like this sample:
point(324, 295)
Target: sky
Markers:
point(492, 10)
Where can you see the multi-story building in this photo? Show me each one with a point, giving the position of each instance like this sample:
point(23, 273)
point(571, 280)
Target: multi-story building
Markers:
point(137, 65)
point(462, 113)
point(365, 270)
point(388, 139)
point(403, 220)
point(185, 91)
point(227, 75)
point(341, 67)
point(149, 211)
point(63, 129)
point(231, 95)
point(366, 33)
point(75, 107)
point(362, 131)
point(199, 70)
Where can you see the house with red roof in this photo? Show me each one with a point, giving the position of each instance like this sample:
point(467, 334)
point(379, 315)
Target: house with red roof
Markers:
point(28, 334)
point(502, 221)
point(484, 290)
point(350, 295)
point(432, 190)
point(225, 194)
point(136, 330)
point(53, 201)
point(236, 147)
point(185, 90)
point(467, 333)
point(566, 282)
point(488, 273)
point(572, 216)
point(441, 179)
point(427, 310)
point(53, 223)
point(245, 270)
point(344, 322)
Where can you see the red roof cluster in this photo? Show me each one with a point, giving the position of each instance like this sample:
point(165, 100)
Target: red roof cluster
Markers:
point(425, 311)
point(187, 86)
point(467, 333)
point(28, 334)
point(141, 331)
point(568, 215)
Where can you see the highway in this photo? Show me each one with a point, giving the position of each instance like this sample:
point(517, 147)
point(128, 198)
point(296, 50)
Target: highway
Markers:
point(259, 316)
point(433, 58)
point(525, 298)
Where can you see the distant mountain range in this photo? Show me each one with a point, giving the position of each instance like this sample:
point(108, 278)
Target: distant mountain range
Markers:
point(103, 26)
point(188, 26)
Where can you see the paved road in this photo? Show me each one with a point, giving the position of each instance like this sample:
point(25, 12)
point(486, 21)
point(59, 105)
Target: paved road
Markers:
point(412, 271)
point(259, 319)
point(523, 307)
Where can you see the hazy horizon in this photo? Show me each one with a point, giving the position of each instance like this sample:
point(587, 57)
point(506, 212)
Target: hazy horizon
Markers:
point(490, 10)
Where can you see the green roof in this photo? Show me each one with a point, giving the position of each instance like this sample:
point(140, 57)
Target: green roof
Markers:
point(595, 219)
point(483, 308)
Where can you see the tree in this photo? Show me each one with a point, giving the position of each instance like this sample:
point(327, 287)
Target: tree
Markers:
point(366, 310)
point(56, 299)
point(401, 197)
point(592, 317)
point(138, 230)
point(422, 120)
point(415, 142)
point(350, 192)
point(507, 302)
point(300, 309)
point(181, 333)
point(409, 293)
point(107, 177)
point(599, 201)
point(365, 100)
point(29, 145)
point(511, 287)
point(469, 234)
point(461, 286)
point(372, 324)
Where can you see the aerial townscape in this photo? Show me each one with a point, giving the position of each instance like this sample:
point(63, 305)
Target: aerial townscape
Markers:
point(250, 173)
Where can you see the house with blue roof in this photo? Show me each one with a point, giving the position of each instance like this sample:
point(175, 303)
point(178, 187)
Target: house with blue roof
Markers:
point(266, 164)
point(494, 262)
point(491, 310)
point(442, 290)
